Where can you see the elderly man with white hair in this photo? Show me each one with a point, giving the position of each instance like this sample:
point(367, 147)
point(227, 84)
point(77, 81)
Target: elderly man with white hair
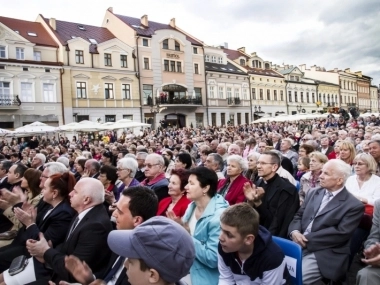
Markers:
point(324, 225)
point(38, 161)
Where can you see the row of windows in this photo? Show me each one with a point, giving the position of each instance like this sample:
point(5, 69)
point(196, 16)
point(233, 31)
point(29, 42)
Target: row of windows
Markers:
point(148, 94)
point(349, 85)
point(268, 95)
point(20, 53)
point(214, 59)
point(79, 58)
point(230, 92)
point(26, 91)
point(166, 45)
point(172, 66)
point(231, 119)
point(81, 91)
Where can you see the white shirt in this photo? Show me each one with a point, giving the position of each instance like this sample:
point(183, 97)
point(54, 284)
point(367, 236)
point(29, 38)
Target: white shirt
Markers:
point(370, 188)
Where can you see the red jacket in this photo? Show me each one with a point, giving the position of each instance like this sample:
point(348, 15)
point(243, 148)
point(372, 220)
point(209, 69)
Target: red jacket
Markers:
point(235, 194)
point(179, 209)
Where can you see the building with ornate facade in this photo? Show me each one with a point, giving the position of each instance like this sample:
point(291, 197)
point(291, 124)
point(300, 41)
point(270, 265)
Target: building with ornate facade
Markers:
point(30, 75)
point(374, 91)
point(99, 79)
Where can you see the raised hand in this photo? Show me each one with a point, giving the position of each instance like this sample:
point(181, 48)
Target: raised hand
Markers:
point(79, 269)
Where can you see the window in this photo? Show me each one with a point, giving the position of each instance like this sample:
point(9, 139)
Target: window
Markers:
point(107, 59)
point(3, 53)
point(196, 68)
point(198, 92)
point(297, 78)
point(20, 53)
point(108, 90)
point(312, 97)
point(126, 91)
point(207, 58)
point(307, 97)
point(172, 66)
point(324, 98)
point(93, 41)
point(247, 118)
point(295, 96)
point(245, 93)
point(81, 118)
point(213, 59)
point(199, 120)
point(128, 117)
point(146, 63)
point(195, 50)
point(261, 94)
point(242, 62)
point(123, 60)
point(212, 92)
point(223, 118)
point(268, 94)
point(147, 94)
point(275, 95)
point(81, 90)
point(254, 93)
point(25, 69)
point(32, 34)
point(237, 93)
point(282, 95)
point(79, 56)
point(179, 66)
point(290, 96)
point(221, 92)
point(229, 92)
point(37, 55)
point(5, 88)
point(213, 119)
point(145, 42)
point(177, 46)
point(166, 65)
point(165, 44)
point(291, 78)
point(239, 118)
point(47, 69)
point(220, 60)
point(26, 92)
point(48, 90)
point(110, 118)
point(301, 97)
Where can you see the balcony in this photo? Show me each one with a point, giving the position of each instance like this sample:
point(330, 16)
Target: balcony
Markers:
point(233, 101)
point(9, 102)
point(168, 101)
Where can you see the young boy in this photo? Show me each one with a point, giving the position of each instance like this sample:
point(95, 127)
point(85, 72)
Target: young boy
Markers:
point(246, 253)
point(159, 252)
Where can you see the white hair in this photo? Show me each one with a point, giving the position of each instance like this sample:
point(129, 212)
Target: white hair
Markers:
point(64, 160)
point(341, 168)
point(41, 157)
point(129, 163)
point(254, 154)
point(241, 161)
point(87, 154)
point(92, 188)
point(55, 168)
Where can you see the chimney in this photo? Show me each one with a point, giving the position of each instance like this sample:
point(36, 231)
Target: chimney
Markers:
point(110, 9)
point(253, 54)
point(172, 23)
point(303, 67)
point(242, 49)
point(144, 21)
point(53, 23)
point(286, 66)
point(348, 70)
point(225, 45)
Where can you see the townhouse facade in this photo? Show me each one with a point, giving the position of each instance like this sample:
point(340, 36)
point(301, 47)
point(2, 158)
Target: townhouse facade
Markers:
point(374, 91)
point(99, 80)
point(30, 75)
point(229, 100)
point(364, 94)
point(267, 86)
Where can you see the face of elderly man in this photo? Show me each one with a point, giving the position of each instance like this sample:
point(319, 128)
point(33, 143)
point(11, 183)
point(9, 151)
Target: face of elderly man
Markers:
point(152, 167)
point(331, 179)
point(234, 149)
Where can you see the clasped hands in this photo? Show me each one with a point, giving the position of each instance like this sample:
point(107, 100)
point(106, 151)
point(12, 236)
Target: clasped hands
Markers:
point(253, 194)
point(372, 255)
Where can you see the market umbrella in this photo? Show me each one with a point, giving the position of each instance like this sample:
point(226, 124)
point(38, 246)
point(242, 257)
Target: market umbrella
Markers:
point(124, 124)
point(35, 128)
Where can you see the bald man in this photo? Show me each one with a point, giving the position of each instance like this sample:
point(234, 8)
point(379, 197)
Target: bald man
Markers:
point(86, 239)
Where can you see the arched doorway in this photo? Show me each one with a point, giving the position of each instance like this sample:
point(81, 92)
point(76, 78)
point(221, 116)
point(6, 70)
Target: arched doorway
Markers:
point(175, 120)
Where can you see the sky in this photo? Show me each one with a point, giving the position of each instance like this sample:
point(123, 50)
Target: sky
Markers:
point(327, 33)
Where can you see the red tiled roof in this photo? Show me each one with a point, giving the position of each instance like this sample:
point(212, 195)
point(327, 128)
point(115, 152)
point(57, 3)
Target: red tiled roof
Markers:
point(234, 54)
point(24, 27)
point(49, 63)
point(265, 72)
point(135, 23)
point(66, 30)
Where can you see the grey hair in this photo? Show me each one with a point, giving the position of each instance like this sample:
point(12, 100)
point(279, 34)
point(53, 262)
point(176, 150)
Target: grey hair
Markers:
point(343, 169)
point(142, 154)
point(93, 188)
point(158, 158)
point(218, 159)
point(256, 155)
point(131, 155)
point(64, 160)
point(223, 145)
point(87, 154)
point(279, 154)
point(238, 159)
point(55, 168)
point(41, 157)
point(128, 163)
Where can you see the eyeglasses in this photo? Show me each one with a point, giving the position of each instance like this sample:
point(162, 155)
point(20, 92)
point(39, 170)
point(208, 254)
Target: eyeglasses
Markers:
point(121, 169)
point(264, 163)
point(150, 165)
point(358, 163)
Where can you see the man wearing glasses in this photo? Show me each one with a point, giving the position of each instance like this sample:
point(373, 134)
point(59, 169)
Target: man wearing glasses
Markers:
point(274, 198)
point(155, 175)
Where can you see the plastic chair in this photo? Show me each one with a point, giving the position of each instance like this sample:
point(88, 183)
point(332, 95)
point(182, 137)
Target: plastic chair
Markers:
point(293, 256)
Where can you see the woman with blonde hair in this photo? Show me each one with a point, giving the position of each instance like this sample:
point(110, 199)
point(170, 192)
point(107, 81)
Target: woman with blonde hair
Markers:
point(347, 152)
point(335, 154)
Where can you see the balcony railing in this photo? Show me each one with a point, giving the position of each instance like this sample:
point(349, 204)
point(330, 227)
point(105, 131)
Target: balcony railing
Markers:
point(9, 101)
point(185, 100)
point(233, 101)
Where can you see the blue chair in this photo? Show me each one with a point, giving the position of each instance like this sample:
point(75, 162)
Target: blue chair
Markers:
point(292, 252)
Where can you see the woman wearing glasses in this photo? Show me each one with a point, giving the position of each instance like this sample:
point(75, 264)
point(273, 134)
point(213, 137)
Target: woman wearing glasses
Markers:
point(365, 186)
point(126, 170)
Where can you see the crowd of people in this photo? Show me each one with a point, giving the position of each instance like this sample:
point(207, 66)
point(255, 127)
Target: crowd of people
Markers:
point(201, 204)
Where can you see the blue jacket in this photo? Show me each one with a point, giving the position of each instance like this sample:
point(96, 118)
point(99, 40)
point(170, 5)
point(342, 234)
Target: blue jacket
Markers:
point(206, 238)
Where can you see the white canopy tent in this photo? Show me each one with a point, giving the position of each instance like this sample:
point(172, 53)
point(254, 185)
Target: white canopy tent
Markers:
point(34, 128)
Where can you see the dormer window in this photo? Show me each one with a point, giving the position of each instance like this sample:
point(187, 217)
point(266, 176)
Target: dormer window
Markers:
point(213, 59)
point(242, 62)
point(81, 27)
point(207, 59)
point(165, 44)
point(177, 46)
point(20, 53)
point(3, 53)
point(93, 41)
point(32, 34)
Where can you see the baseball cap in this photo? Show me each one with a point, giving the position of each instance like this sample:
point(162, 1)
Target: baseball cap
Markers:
point(163, 244)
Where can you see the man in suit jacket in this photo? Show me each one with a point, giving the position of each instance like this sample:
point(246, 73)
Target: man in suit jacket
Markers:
point(86, 239)
point(140, 157)
point(91, 168)
point(145, 204)
point(38, 161)
point(371, 273)
point(324, 225)
point(4, 168)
